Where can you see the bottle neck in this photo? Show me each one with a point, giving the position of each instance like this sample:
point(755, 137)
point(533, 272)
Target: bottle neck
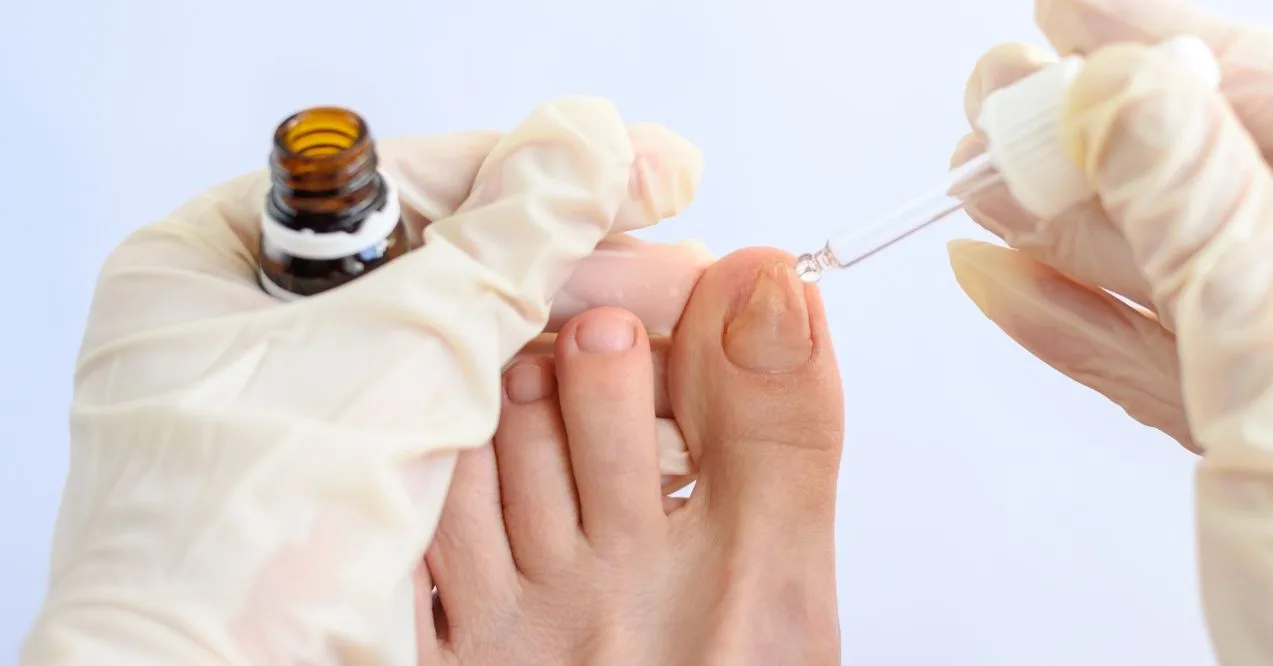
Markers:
point(327, 211)
point(323, 173)
point(367, 229)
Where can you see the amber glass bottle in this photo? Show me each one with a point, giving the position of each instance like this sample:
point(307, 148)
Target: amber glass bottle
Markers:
point(330, 215)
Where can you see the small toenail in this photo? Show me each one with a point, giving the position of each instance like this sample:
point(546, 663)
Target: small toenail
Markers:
point(528, 381)
point(770, 332)
point(606, 332)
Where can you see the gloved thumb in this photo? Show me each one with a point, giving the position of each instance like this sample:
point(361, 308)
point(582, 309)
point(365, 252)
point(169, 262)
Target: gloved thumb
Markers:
point(1181, 179)
point(546, 195)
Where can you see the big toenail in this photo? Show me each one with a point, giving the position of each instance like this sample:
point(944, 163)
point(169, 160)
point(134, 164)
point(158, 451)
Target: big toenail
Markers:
point(606, 332)
point(770, 332)
point(528, 381)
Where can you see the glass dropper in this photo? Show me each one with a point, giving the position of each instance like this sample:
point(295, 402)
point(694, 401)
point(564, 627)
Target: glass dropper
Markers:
point(1025, 151)
point(854, 245)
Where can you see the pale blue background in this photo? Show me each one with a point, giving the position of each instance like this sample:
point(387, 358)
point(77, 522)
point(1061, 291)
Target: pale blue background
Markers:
point(992, 512)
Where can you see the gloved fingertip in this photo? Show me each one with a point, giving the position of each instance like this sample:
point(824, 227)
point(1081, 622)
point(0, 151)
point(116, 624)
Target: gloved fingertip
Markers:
point(1110, 71)
point(653, 138)
point(971, 145)
point(580, 104)
point(976, 255)
point(1002, 65)
point(1129, 91)
point(699, 248)
point(1005, 63)
point(973, 263)
point(1066, 22)
point(666, 172)
point(991, 275)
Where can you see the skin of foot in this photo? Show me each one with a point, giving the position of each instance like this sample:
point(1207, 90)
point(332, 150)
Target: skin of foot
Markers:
point(557, 544)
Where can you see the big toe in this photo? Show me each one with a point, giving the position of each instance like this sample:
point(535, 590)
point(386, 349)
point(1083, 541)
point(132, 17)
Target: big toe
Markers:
point(756, 390)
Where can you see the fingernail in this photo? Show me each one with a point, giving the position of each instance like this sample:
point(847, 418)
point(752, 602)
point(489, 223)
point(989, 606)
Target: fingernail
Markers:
point(970, 146)
point(699, 248)
point(606, 332)
point(529, 381)
point(771, 332)
point(665, 175)
point(1000, 280)
point(975, 92)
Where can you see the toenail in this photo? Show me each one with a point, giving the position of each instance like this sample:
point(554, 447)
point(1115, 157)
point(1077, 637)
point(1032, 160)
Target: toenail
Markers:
point(770, 331)
point(606, 332)
point(528, 381)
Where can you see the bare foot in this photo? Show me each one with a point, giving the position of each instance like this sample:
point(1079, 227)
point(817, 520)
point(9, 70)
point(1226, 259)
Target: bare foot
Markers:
point(567, 552)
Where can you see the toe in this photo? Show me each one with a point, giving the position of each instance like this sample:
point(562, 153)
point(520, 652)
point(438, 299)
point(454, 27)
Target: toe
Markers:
point(756, 390)
point(606, 387)
point(660, 347)
point(470, 559)
point(674, 460)
point(540, 507)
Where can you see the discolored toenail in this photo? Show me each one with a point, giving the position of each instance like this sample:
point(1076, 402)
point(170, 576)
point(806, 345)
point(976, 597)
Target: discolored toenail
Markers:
point(606, 332)
point(529, 381)
point(770, 331)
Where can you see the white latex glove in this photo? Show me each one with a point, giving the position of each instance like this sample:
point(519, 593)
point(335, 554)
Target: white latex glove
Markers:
point(1184, 227)
point(252, 482)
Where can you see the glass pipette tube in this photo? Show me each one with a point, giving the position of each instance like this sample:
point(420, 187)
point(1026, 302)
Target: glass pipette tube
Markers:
point(854, 244)
point(1022, 123)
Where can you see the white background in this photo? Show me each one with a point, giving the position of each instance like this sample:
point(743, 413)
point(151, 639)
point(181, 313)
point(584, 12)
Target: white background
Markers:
point(991, 513)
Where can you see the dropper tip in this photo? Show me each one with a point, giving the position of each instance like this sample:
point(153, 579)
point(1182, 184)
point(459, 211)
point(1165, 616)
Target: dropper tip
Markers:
point(807, 269)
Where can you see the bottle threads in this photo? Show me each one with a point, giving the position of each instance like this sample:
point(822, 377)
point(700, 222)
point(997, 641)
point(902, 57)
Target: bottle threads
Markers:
point(330, 215)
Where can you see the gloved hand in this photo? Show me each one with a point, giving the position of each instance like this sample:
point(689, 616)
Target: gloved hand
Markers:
point(253, 482)
point(1183, 226)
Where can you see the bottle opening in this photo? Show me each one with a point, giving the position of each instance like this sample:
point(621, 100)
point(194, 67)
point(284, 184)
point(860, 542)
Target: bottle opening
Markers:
point(320, 133)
